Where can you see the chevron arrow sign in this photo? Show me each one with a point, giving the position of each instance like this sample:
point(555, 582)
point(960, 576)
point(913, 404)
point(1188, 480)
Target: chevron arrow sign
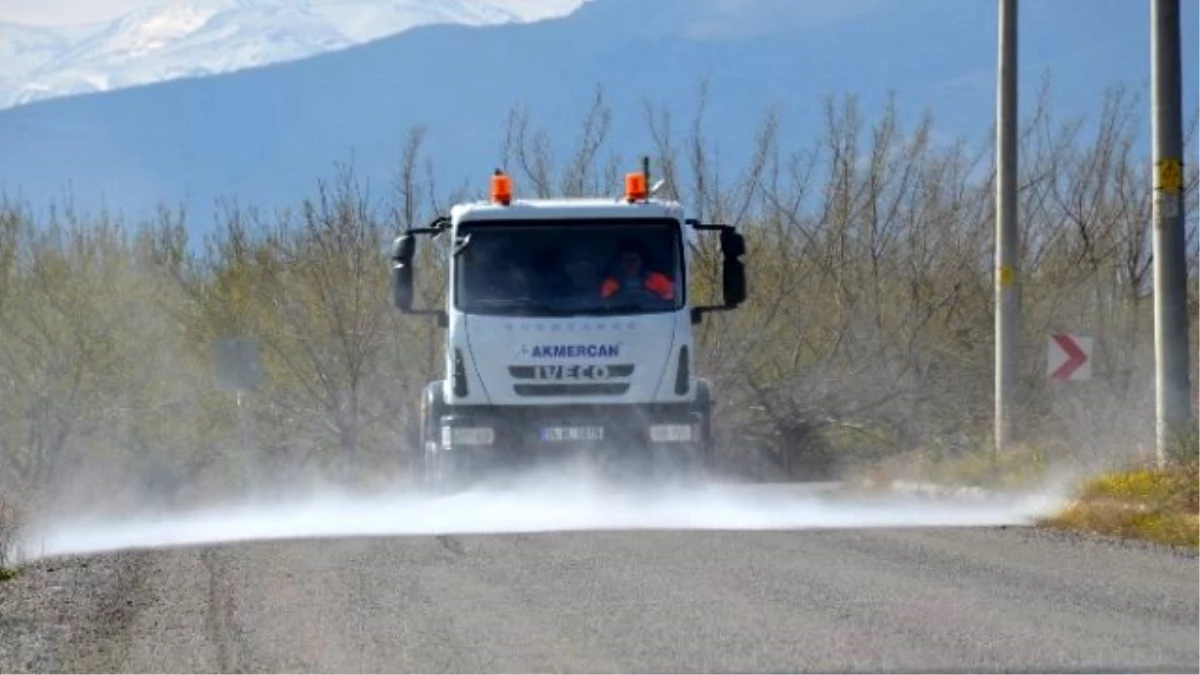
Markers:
point(1070, 357)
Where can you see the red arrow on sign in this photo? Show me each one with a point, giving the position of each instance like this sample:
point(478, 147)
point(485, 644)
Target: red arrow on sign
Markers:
point(1076, 357)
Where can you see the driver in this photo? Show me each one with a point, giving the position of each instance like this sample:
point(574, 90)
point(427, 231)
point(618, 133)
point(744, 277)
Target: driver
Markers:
point(632, 277)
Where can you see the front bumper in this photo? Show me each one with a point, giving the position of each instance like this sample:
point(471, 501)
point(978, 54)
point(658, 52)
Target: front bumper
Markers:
point(538, 431)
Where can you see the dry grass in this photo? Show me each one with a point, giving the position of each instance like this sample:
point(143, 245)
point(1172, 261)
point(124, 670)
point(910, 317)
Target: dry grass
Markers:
point(10, 522)
point(975, 467)
point(1158, 505)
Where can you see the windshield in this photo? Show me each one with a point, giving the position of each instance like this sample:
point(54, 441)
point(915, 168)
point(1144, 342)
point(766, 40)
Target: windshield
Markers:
point(557, 268)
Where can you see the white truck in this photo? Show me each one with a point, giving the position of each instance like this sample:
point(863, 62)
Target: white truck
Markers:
point(568, 329)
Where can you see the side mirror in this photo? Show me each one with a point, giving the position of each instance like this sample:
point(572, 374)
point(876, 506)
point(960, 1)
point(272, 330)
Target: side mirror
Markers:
point(733, 244)
point(401, 277)
point(733, 282)
point(733, 271)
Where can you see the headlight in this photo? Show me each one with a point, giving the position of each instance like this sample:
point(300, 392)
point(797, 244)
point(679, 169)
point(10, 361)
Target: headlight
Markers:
point(452, 436)
point(670, 433)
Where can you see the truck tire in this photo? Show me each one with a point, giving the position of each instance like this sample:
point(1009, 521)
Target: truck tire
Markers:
point(692, 462)
point(427, 460)
point(704, 408)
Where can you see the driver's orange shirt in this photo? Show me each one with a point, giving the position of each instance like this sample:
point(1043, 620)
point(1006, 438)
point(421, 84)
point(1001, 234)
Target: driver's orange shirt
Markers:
point(656, 283)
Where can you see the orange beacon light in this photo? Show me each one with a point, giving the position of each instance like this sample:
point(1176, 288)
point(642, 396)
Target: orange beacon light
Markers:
point(501, 188)
point(635, 186)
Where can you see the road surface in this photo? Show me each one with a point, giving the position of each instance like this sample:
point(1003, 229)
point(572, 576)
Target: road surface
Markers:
point(820, 600)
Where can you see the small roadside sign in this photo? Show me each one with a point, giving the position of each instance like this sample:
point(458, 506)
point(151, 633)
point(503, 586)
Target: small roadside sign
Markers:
point(1070, 357)
point(1169, 175)
point(237, 364)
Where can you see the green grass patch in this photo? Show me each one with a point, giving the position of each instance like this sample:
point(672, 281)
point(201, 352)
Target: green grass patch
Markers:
point(1174, 486)
point(1151, 504)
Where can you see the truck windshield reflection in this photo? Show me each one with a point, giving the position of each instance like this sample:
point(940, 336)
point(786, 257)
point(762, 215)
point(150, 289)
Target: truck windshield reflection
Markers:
point(568, 269)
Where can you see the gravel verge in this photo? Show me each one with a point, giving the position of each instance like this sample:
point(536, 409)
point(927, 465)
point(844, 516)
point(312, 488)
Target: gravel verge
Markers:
point(67, 615)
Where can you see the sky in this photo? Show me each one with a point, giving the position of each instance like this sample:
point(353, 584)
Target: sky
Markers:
point(70, 12)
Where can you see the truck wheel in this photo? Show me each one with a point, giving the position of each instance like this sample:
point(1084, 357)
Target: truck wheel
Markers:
point(429, 468)
point(416, 456)
point(703, 407)
point(680, 465)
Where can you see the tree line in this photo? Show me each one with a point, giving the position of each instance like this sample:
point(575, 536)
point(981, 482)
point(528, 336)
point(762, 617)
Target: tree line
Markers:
point(867, 332)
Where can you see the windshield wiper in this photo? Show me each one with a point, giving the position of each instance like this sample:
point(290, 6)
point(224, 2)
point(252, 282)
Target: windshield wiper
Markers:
point(612, 309)
point(523, 305)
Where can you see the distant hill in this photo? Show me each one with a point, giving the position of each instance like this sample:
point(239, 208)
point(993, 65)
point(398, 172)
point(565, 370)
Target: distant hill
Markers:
point(265, 135)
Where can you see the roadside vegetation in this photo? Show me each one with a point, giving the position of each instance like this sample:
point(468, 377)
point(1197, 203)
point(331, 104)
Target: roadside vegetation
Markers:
point(1159, 504)
point(10, 522)
point(866, 340)
point(977, 466)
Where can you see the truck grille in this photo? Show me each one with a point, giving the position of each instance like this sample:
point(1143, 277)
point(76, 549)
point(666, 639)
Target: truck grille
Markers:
point(557, 380)
point(587, 389)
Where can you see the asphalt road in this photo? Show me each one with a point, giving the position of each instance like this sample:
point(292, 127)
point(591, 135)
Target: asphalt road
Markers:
point(858, 600)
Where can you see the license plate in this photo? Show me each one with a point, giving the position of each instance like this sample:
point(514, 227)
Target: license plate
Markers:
point(567, 434)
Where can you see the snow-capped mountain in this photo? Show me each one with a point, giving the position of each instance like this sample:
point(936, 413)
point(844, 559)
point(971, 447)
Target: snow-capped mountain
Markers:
point(168, 39)
point(23, 48)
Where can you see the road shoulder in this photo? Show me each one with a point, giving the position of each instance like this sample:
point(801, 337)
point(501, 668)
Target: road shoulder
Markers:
point(71, 615)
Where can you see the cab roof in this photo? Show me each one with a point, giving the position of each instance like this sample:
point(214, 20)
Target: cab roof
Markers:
point(565, 208)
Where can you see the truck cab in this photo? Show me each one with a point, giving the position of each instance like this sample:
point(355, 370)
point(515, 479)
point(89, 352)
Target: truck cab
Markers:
point(568, 329)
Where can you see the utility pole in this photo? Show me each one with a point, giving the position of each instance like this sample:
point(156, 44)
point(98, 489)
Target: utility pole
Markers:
point(1006, 223)
point(1172, 386)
